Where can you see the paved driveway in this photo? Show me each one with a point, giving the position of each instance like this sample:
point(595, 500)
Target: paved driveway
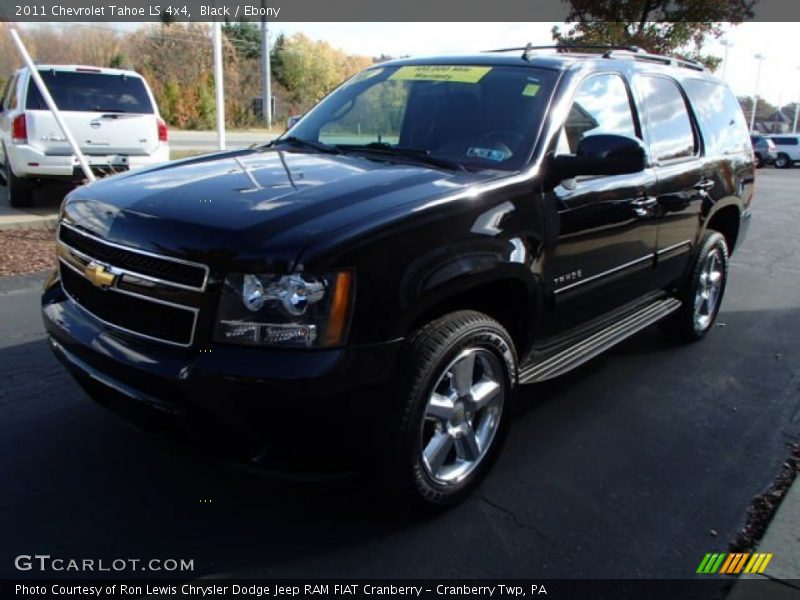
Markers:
point(634, 466)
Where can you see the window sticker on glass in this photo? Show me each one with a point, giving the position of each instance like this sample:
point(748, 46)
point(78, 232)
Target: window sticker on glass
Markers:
point(455, 73)
point(488, 154)
point(531, 89)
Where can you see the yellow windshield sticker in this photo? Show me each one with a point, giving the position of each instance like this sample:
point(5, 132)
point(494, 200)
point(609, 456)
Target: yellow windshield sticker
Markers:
point(531, 89)
point(456, 73)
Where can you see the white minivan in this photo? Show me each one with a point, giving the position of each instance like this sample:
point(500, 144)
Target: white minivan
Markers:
point(111, 113)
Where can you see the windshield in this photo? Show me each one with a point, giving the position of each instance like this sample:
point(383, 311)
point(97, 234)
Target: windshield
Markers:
point(94, 92)
point(476, 116)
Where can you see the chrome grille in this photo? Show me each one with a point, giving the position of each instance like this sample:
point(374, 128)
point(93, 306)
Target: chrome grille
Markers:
point(142, 294)
point(169, 270)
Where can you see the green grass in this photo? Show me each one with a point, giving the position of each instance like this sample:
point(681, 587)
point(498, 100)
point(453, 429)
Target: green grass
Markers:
point(176, 154)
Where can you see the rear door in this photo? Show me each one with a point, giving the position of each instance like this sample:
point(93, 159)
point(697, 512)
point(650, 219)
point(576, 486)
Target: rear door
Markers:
point(681, 181)
point(109, 114)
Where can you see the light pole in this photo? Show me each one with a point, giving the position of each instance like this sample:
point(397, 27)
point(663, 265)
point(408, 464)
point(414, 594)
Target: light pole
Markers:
point(266, 78)
point(796, 110)
point(760, 58)
point(728, 45)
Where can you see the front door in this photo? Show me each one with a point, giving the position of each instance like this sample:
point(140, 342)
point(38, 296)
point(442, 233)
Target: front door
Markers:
point(604, 255)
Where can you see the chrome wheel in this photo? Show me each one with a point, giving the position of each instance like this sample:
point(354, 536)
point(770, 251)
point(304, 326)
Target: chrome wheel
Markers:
point(709, 290)
point(462, 415)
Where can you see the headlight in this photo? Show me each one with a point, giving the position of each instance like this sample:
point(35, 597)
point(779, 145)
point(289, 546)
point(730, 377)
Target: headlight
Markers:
point(284, 310)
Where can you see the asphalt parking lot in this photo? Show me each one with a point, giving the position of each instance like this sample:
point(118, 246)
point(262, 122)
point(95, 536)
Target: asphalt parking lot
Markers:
point(634, 466)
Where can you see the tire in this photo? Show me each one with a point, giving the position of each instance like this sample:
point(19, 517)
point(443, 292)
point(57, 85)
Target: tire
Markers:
point(449, 416)
point(3, 176)
point(700, 296)
point(783, 161)
point(759, 161)
point(20, 191)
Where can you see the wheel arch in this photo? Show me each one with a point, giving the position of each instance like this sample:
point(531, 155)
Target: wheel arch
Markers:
point(726, 219)
point(510, 299)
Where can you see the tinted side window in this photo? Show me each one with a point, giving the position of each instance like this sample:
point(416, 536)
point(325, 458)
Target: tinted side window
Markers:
point(785, 141)
point(720, 117)
point(4, 97)
point(10, 98)
point(602, 105)
point(671, 134)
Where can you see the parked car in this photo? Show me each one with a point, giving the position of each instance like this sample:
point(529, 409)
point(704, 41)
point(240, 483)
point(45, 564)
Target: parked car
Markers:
point(765, 150)
point(372, 287)
point(111, 113)
point(788, 150)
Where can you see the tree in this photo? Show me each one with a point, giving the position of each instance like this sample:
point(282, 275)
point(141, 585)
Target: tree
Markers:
point(309, 69)
point(245, 37)
point(678, 27)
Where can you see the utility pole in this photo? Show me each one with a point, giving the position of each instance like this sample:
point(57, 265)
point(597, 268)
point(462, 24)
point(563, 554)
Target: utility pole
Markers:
point(760, 58)
point(796, 110)
point(266, 83)
point(218, 85)
point(727, 45)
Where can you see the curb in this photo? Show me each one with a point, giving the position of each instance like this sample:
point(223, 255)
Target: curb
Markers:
point(28, 222)
point(782, 539)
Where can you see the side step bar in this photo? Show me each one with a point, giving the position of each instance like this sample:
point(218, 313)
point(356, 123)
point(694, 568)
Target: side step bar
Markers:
point(597, 343)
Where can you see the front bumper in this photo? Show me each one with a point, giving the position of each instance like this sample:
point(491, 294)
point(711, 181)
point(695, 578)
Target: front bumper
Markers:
point(237, 402)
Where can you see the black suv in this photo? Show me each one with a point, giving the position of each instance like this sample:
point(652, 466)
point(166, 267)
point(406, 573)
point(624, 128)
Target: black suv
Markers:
point(371, 287)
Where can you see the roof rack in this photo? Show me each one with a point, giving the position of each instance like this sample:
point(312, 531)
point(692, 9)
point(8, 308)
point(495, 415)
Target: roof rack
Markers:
point(528, 49)
point(611, 51)
point(659, 58)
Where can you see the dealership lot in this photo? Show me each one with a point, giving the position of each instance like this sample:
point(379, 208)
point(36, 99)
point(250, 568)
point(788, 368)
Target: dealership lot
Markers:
point(634, 466)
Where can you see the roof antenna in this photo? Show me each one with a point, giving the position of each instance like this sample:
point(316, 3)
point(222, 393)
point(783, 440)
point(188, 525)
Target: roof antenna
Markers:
point(527, 54)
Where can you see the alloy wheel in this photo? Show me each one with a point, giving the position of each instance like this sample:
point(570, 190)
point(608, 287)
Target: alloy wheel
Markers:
point(709, 290)
point(462, 415)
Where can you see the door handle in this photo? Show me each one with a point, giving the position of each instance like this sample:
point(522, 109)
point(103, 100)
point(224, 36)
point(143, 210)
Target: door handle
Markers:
point(642, 206)
point(704, 185)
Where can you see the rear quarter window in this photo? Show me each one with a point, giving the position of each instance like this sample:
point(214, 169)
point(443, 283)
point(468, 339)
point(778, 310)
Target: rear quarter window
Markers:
point(720, 117)
point(91, 92)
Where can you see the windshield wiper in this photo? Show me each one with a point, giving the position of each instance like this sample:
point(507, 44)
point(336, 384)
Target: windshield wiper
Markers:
point(419, 154)
point(301, 143)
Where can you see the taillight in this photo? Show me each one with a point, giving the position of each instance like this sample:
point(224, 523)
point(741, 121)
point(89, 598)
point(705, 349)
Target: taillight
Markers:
point(163, 134)
point(19, 130)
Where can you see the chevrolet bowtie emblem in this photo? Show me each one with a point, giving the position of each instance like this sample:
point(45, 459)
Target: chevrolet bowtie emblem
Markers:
point(98, 275)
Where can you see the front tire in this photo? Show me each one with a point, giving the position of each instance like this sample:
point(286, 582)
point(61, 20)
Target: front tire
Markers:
point(759, 161)
point(702, 292)
point(450, 414)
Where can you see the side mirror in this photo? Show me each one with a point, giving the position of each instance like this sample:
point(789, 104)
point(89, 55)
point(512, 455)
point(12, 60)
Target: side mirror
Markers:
point(290, 122)
point(602, 154)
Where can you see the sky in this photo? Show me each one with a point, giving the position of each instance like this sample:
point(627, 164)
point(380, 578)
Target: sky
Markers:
point(780, 71)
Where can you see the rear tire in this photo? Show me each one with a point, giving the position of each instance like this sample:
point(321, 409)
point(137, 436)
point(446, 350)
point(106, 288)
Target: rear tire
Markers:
point(20, 191)
point(783, 161)
point(449, 415)
point(701, 293)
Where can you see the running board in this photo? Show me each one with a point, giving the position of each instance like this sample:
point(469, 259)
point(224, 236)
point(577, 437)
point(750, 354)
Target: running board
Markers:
point(597, 343)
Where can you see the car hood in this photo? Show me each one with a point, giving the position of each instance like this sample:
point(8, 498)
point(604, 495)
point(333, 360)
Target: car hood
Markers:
point(259, 207)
